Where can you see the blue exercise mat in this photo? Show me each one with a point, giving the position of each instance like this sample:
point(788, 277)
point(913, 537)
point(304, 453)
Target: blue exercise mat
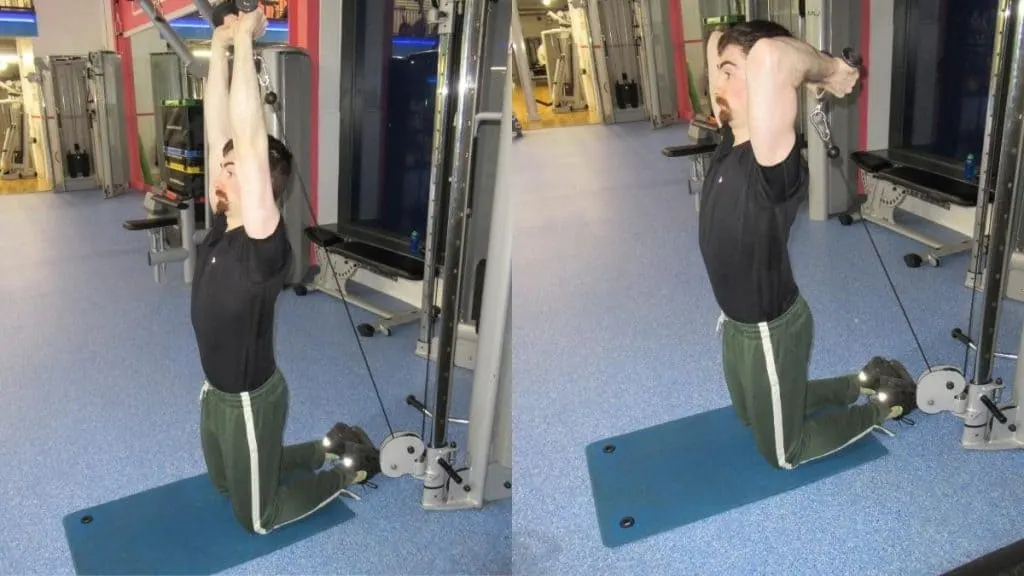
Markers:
point(664, 477)
point(185, 527)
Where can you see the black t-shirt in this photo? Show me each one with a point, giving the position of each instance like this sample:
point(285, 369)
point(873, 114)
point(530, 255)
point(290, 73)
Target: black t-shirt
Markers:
point(234, 294)
point(746, 213)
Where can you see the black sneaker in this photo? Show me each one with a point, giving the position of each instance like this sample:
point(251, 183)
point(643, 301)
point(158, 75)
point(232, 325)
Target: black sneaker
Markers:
point(897, 395)
point(870, 376)
point(352, 448)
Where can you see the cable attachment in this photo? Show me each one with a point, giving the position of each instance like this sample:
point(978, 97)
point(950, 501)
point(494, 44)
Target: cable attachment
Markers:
point(819, 116)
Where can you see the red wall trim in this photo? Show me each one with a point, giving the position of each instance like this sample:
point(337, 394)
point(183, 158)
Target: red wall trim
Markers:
point(123, 47)
point(675, 15)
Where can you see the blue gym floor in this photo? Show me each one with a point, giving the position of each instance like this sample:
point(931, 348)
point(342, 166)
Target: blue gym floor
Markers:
point(614, 330)
point(99, 391)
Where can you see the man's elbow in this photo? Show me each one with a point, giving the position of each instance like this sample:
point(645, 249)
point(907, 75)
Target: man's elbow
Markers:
point(766, 60)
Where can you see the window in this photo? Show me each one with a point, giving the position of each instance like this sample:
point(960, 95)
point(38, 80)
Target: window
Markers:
point(940, 78)
point(394, 62)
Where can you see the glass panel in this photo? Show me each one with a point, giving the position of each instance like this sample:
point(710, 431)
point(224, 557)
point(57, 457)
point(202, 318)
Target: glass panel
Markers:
point(391, 186)
point(948, 55)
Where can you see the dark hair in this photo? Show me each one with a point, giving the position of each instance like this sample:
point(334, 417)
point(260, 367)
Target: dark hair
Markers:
point(280, 165)
point(746, 34)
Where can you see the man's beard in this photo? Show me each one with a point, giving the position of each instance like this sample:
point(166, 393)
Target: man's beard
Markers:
point(220, 204)
point(724, 116)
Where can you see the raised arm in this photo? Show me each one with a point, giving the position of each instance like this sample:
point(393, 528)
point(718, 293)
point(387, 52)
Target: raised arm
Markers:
point(215, 99)
point(260, 214)
point(776, 68)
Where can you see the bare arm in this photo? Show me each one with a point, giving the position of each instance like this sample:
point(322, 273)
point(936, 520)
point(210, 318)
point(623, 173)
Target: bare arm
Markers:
point(215, 102)
point(260, 214)
point(776, 68)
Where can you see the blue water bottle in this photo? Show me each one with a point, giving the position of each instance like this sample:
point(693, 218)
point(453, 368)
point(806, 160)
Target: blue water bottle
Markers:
point(970, 168)
point(414, 242)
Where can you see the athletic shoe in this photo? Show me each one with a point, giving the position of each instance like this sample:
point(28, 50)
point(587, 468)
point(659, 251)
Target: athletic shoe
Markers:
point(896, 394)
point(878, 367)
point(351, 447)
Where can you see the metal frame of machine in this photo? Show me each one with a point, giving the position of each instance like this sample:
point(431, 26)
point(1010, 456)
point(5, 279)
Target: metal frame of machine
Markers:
point(486, 474)
point(990, 423)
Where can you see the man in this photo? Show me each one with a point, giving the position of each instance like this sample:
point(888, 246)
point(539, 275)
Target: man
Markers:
point(242, 266)
point(752, 192)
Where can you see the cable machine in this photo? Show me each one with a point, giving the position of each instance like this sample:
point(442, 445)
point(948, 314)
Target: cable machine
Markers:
point(472, 32)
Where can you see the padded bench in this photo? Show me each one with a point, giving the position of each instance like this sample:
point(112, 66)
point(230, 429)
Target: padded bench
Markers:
point(361, 249)
point(927, 188)
point(150, 223)
point(933, 185)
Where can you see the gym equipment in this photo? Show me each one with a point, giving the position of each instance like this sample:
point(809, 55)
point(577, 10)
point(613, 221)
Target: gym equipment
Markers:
point(989, 423)
point(565, 77)
point(185, 527)
point(74, 136)
point(173, 219)
point(355, 449)
point(903, 180)
point(487, 473)
point(624, 86)
point(16, 158)
point(90, 144)
point(522, 73)
point(107, 111)
point(667, 476)
point(704, 130)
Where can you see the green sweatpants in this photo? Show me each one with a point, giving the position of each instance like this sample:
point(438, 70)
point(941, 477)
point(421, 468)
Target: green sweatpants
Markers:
point(766, 368)
point(242, 438)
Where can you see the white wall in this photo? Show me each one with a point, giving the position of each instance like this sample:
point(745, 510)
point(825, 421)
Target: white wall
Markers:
point(73, 27)
point(880, 76)
point(144, 44)
point(329, 113)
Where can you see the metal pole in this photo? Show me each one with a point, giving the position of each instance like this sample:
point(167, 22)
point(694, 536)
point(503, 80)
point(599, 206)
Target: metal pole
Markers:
point(493, 315)
point(166, 31)
point(205, 9)
point(195, 67)
point(522, 66)
point(1002, 207)
point(446, 93)
point(470, 49)
point(993, 135)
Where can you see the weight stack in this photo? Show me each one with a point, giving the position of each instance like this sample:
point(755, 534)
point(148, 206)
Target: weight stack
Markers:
point(184, 147)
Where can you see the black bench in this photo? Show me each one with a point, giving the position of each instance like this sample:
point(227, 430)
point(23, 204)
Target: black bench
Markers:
point(152, 223)
point(687, 150)
point(927, 180)
point(386, 262)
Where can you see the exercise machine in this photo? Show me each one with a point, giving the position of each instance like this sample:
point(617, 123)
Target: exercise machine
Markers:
point(16, 160)
point(565, 78)
point(487, 475)
point(454, 479)
point(908, 177)
point(89, 137)
point(991, 422)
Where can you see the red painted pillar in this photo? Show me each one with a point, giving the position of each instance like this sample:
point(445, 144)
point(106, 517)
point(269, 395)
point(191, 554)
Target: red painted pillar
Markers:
point(304, 32)
point(675, 15)
point(123, 47)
